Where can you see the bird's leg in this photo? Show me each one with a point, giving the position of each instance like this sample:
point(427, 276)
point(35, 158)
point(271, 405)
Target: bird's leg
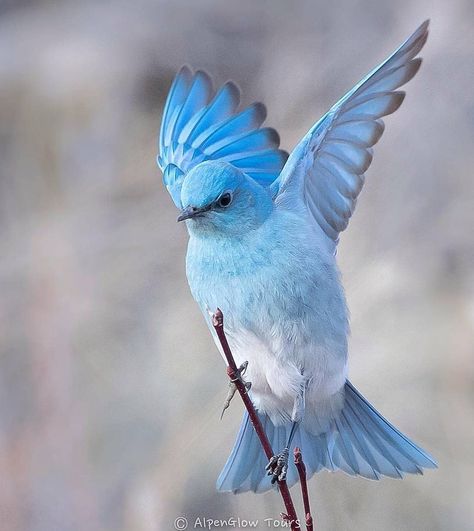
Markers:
point(278, 465)
point(233, 388)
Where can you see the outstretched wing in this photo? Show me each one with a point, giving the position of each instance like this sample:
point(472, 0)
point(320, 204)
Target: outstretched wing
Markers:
point(326, 169)
point(199, 124)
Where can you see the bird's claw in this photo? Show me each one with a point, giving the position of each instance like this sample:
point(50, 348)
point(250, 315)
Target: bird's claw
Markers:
point(233, 388)
point(278, 466)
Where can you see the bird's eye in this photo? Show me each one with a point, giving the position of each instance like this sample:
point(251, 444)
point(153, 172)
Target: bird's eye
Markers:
point(225, 200)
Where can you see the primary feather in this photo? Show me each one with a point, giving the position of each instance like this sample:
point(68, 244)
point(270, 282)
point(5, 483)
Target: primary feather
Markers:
point(199, 125)
point(326, 169)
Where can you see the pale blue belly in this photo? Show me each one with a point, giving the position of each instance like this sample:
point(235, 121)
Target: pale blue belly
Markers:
point(286, 315)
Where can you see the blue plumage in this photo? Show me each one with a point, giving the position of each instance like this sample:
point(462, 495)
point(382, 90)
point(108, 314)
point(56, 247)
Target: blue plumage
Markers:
point(337, 150)
point(263, 233)
point(359, 441)
point(199, 125)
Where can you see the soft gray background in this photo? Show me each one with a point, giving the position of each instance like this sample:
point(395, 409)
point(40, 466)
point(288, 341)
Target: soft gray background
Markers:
point(110, 386)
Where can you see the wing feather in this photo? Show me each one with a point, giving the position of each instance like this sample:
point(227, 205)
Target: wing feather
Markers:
point(326, 169)
point(200, 125)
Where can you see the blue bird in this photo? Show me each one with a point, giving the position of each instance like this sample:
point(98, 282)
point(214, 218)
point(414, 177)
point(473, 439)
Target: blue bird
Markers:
point(263, 230)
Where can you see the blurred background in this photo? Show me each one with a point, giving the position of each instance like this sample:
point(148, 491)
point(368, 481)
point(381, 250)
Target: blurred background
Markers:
point(110, 384)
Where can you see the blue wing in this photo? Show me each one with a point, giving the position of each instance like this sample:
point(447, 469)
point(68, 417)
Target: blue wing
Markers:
point(326, 169)
point(199, 124)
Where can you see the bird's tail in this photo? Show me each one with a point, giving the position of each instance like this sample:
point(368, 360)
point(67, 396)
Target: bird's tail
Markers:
point(360, 442)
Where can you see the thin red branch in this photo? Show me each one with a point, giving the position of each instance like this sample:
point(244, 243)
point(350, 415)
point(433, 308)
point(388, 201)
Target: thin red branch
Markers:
point(232, 372)
point(300, 466)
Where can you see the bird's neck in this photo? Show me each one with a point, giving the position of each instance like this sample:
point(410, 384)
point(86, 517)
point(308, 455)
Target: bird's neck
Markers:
point(217, 255)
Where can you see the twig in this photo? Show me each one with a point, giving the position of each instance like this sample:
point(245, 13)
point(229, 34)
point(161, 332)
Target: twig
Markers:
point(304, 488)
point(232, 372)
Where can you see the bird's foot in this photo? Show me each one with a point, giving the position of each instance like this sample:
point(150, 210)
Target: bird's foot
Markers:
point(233, 388)
point(278, 466)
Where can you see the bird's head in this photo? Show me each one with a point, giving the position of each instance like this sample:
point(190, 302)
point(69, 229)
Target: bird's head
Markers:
point(219, 198)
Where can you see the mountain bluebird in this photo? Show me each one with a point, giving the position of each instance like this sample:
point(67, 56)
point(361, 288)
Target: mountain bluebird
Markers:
point(263, 234)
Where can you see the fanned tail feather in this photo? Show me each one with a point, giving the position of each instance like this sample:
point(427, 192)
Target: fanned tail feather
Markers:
point(360, 442)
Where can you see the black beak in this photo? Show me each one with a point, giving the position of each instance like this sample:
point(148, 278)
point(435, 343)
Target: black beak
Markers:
point(191, 212)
